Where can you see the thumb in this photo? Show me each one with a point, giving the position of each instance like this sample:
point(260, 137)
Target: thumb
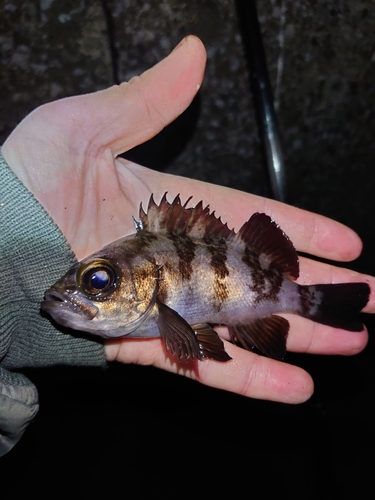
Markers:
point(116, 119)
point(124, 116)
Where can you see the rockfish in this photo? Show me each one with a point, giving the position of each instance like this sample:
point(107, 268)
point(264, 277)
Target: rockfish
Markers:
point(184, 271)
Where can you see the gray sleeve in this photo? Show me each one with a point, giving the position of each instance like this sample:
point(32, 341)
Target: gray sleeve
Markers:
point(18, 406)
point(33, 255)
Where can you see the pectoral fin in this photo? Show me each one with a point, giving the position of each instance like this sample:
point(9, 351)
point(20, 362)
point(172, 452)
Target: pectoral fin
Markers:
point(198, 341)
point(266, 334)
point(178, 335)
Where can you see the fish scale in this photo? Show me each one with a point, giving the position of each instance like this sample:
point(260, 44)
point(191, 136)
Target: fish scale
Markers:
point(184, 271)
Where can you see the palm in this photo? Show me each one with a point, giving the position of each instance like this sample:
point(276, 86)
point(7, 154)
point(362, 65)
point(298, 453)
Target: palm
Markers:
point(79, 190)
point(69, 160)
point(86, 190)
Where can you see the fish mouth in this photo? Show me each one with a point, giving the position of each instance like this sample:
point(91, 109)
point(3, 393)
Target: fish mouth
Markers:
point(64, 308)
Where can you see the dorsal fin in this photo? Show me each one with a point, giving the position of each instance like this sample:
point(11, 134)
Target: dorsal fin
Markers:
point(259, 234)
point(263, 236)
point(174, 217)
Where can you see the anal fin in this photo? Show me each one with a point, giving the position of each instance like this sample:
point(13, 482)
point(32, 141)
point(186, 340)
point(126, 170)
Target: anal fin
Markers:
point(268, 335)
point(210, 343)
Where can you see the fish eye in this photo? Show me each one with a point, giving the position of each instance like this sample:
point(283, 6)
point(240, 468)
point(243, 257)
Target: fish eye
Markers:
point(97, 278)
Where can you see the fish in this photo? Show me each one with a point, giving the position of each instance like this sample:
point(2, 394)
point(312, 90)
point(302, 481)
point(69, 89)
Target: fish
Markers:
point(184, 271)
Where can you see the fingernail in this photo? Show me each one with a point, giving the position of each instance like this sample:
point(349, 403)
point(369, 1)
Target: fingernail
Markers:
point(179, 44)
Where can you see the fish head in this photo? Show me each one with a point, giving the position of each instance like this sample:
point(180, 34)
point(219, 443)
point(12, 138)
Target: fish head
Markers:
point(103, 296)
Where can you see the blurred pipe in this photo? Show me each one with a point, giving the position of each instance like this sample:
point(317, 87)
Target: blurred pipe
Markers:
point(263, 98)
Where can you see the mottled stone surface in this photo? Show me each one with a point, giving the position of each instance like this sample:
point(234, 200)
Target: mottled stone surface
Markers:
point(49, 49)
point(321, 61)
point(224, 146)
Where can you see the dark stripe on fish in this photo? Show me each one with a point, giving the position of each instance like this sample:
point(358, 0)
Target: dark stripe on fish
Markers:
point(307, 299)
point(261, 277)
point(185, 250)
point(163, 287)
point(142, 240)
point(218, 252)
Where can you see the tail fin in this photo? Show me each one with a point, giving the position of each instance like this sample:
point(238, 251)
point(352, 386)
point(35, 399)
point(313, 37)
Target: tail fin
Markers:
point(335, 305)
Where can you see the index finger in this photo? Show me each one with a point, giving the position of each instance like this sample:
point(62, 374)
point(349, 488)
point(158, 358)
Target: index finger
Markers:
point(310, 233)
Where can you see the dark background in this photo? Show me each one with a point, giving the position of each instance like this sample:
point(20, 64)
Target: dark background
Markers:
point(136, 431)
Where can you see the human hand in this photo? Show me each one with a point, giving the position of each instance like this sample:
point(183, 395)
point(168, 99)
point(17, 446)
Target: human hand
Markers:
point(66, 153)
